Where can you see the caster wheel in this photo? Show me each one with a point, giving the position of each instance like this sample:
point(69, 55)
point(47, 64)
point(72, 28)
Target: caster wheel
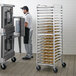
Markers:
point(13, 59)
point(63, 64)
point(3, 66)
point(38, 68)
point(55, 70)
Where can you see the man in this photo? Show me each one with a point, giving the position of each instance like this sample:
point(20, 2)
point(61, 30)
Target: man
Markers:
point(28, 33)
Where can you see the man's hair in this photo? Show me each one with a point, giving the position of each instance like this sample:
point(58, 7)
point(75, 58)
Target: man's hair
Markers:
point(25, 8)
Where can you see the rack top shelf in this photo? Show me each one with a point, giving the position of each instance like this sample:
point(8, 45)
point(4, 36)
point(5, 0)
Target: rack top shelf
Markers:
point(46, 6)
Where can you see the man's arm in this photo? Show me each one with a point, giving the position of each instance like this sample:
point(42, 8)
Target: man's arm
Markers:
point(26, 24)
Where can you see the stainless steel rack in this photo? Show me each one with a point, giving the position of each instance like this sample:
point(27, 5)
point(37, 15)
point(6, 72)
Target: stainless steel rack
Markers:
point(49, 36)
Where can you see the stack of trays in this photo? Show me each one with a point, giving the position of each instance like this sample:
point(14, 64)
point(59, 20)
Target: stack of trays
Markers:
point(46, 48)
point(49, 35)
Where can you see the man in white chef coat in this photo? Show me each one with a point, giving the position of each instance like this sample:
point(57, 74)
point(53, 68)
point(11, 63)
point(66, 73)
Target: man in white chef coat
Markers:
point(28, 33)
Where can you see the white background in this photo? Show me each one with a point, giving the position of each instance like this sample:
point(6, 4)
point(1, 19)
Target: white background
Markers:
point(69, 7)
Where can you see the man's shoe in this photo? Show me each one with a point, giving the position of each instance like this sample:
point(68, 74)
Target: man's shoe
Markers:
point(31, 56)
point(26, 58)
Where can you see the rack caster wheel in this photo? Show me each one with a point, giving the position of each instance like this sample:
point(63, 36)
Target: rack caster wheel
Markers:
point(13, 59)
point(63, 64)
point(38, 68)
point(55, 70)
point(3, 66)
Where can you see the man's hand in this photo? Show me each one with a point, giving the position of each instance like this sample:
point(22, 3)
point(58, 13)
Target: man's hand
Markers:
point(26, 24)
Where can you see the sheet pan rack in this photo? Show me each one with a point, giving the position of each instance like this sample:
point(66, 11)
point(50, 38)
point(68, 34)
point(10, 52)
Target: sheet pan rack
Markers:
point(49, 36)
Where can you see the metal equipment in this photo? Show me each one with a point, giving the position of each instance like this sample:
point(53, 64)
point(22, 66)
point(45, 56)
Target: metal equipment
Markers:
point(6, 34)
point(19, 28)
point(49, 36)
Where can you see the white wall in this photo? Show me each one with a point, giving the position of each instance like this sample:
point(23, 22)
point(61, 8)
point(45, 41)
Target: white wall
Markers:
point(69, 20)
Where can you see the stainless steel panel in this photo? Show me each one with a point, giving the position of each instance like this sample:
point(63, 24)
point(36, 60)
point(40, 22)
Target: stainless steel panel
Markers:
point(19, 25)
point(22, 27)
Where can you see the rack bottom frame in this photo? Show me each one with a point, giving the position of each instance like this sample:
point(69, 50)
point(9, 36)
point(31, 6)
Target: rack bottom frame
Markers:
point(55, 69)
